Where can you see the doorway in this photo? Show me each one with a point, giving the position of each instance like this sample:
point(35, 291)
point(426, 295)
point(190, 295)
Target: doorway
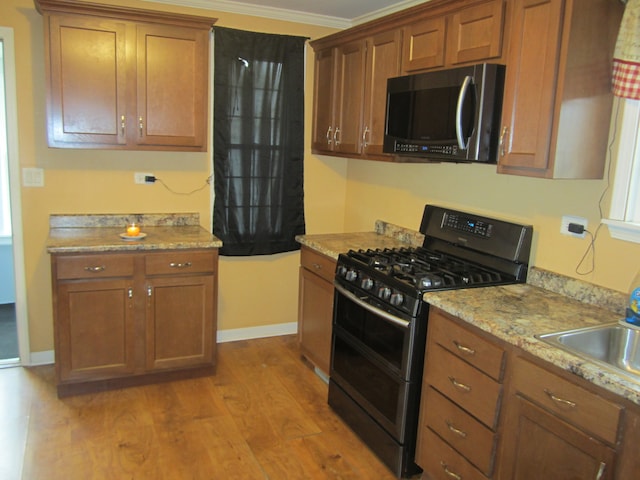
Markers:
point(14, 342)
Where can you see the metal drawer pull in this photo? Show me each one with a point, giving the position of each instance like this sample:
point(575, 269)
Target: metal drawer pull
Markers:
point(600, 474)
point(457, 431)
point(96, 269)
point(130, 293)
point(463, 349)
point(180, 265)
point(449, 473)
point(336, 140)
point(560, 401)
point(460, 386)
point(317, 266)
point(328, 136)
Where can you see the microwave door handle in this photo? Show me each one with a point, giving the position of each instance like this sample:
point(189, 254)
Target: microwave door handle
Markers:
point(461, 96)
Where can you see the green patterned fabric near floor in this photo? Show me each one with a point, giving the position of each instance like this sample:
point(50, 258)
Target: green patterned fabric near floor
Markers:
point(8, 332)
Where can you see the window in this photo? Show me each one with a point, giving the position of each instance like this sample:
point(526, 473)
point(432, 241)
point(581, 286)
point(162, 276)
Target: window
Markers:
point(258, 141)
point(624, 216)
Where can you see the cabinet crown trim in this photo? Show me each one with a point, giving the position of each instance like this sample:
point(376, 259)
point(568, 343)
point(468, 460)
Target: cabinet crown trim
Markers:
point(79, 7)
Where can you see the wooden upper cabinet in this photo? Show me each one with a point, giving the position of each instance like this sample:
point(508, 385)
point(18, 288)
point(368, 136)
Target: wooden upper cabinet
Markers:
point(557, 100)
point(87, 92)
point(475, 33)
point(469, 34)
point(350, 95)
point(424, 44)
point(125, 78)
point(382, 62)
point(172, 86)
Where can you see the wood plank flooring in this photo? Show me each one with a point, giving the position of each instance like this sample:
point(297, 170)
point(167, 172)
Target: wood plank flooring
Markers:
point(264, 415)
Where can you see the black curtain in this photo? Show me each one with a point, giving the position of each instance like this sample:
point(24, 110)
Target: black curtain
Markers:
point(258, 141)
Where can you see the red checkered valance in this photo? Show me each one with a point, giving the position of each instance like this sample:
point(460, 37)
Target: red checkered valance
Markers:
point(626, 58)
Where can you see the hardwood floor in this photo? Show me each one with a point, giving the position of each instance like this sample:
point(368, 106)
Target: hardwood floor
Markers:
point(264, 415)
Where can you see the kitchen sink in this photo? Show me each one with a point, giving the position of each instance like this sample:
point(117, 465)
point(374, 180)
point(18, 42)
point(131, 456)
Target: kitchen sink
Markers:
point(614, 346)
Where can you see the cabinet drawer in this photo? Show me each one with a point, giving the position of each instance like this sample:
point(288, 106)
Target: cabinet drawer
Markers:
point(460, 430)
point(474, 391)
point(179, 261)
point(466, 345)
point(441, 462)
point(93, 266)
point(319, 264)
point(585, 409)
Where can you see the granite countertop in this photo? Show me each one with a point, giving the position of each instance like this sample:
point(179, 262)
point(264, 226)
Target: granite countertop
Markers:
point(101, 233)
point(547, 303)
point(385, 235)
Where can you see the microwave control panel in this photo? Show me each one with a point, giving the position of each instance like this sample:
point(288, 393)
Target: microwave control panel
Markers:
point(401, 147)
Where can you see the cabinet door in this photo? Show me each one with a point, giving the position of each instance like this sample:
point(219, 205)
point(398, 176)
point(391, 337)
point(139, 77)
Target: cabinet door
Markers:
point(180, 321)
point(530, 86)
point(315, 318)
point(323, 100)
point(350, 97)
point(87, 81)
point(382, 62)
point(543, 446)
point(475, 33)
point(94, 329)
point(423, 46)
point(172, 102)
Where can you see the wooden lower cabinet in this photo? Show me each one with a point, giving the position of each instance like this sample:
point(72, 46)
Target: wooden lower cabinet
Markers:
point(126, 318)
point(315, 307)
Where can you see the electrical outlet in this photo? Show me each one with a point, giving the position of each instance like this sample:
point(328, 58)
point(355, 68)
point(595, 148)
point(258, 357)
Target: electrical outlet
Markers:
point(138, 177)
point(567, 219)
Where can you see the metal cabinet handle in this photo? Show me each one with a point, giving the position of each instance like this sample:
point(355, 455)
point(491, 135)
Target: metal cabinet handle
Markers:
point(560, 401)
point(364, 137)
point(122, 124)
point(140, 125)
point(600, 474)
point(149, 291)
point(328, 136)
point(130, 292)
point(463, 349)
point(449, 473)
point(457, 431)
point(503, 136)
point(95, 269)
point(180, 265)
point(335, 136)
point(317, 266)
point(460, 386)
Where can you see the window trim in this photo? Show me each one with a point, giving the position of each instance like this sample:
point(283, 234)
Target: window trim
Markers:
point(624, 213)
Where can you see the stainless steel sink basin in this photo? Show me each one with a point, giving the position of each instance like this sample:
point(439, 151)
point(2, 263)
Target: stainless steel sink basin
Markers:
point(614, 346)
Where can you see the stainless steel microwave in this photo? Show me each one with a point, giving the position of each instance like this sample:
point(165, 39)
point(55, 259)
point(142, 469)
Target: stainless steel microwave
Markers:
point(447, 115)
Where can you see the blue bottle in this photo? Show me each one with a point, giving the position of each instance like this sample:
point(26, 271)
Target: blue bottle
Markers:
point(633, 307)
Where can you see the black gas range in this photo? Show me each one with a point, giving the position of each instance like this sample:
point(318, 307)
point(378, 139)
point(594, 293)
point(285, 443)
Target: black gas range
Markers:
point(380, 320)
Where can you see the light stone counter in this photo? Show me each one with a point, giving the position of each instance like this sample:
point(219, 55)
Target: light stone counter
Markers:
point(101, 233)
point(386, 235)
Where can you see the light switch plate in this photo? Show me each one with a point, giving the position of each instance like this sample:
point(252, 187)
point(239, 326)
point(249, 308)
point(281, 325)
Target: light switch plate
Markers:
point(32, 177)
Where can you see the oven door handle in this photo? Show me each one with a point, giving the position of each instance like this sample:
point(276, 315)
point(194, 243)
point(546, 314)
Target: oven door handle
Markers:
point(376, 311)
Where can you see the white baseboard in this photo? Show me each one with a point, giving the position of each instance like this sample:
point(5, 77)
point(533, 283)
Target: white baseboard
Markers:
point(233, 334)
point(47, 357)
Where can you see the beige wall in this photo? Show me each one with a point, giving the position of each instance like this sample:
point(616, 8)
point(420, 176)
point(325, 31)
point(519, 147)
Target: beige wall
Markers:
point(340, 195)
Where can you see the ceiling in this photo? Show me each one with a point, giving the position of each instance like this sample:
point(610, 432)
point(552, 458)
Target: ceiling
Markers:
point(331, 13)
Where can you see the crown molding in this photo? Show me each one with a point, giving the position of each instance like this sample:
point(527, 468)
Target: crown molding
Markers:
point(262, 11)
point(290, 15)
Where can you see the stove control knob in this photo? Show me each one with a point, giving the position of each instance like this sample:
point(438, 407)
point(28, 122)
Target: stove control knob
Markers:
point(396, 299)
point(351, 275)
point(341, 271)
point(366, 283)
point(384, 293)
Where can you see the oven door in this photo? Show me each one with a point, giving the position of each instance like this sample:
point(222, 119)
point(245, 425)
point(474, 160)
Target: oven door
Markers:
point(377, 360)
